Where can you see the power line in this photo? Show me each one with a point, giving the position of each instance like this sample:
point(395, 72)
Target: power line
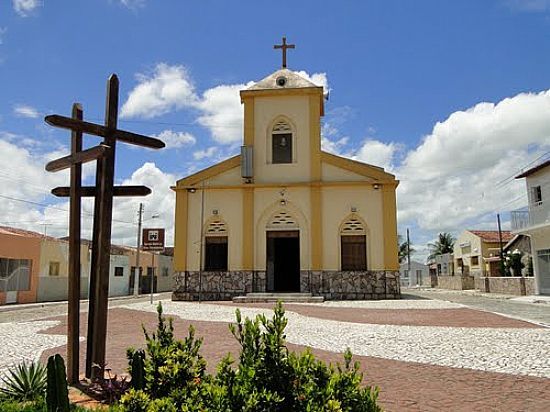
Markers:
point(90, 214)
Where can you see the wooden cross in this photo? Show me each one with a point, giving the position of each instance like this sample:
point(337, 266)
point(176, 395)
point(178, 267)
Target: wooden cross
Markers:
point(103, 191)
point(284, 47)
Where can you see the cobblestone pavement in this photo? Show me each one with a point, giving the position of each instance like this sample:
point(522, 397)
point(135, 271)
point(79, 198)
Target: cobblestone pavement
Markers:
point(22, 342)
point(501, 304)
point(420, 356)
point(488, 349)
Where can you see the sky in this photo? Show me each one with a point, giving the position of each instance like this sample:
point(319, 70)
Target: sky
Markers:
point(452, 97)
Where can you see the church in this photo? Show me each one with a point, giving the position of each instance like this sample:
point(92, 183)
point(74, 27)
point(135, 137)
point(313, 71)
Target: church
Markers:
point(284, 215)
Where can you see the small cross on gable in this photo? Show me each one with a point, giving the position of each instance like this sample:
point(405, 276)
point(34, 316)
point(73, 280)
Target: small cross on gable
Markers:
point(284, 47)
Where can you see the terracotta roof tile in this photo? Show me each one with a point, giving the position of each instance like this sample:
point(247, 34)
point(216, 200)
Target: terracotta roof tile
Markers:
point(22, 232)
point(491, 236)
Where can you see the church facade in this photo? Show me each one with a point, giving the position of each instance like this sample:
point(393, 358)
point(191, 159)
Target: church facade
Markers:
point(285, 216)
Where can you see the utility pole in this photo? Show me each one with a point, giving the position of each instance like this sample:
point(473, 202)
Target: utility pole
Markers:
point(136, 272)
point(409, 258)
point(501, 249)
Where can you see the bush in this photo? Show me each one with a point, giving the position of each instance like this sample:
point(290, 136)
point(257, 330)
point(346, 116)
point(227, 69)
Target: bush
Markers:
point(267, 378)
point(24, 382)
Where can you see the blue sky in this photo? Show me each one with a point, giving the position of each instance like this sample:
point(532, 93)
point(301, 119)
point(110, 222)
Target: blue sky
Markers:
point(451, 96)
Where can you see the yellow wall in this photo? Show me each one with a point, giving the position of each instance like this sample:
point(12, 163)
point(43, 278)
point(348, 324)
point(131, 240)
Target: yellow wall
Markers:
point(229, 206)
point(266, 111)
point(337, 204)
point(317, 194)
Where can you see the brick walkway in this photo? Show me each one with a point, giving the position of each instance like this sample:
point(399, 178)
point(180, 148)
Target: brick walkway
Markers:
point(404, 386)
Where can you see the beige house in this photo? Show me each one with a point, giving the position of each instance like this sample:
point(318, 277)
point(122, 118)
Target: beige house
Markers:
point(285, 216)
point(474, 250)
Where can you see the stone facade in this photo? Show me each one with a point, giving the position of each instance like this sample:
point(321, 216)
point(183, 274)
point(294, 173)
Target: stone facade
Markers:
point(508, 285)
point(463, 282)
point(329, 284)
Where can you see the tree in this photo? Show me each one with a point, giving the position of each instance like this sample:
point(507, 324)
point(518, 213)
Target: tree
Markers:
point(444, 244)
point(403, 249)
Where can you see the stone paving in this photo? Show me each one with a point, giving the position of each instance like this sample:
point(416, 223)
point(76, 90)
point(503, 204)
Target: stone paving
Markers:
point(422, 358)
point(23, 342)
point(487, 349)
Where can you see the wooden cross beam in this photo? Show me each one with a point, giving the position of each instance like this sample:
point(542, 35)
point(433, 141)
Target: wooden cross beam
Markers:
point(103, 131)
point(91, 191)
point(73, 309)
point(83, 156)
point(103, 194)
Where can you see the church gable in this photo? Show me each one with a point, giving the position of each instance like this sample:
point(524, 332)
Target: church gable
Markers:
point(226, 168)
point(355, 168)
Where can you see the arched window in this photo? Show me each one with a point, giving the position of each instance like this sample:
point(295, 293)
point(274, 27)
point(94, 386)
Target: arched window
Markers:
point(281, 143)
point(215, 245)
point(353, 244)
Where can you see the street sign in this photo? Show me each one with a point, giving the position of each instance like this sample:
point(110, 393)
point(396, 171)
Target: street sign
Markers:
point(153, 239)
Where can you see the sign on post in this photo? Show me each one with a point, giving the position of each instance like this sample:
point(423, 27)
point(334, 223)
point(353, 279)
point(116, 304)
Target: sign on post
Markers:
point(153, 239)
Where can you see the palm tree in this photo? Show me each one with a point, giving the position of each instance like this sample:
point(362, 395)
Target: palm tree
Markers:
point(403, 249)
point(444, 244)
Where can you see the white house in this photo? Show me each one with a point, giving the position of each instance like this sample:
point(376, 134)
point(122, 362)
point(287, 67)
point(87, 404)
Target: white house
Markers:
point(534, 221)
point(419, 274)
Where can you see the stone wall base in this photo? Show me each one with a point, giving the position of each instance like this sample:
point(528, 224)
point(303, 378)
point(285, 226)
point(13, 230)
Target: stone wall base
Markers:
point(332, 285)
point(507, 285)
point(464, 282)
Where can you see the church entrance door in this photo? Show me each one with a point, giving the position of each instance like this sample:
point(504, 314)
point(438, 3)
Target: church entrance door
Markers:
point(283, 261)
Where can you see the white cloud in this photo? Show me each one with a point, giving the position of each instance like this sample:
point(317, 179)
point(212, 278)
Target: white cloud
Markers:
point(169, 88)
point(319, 79)
point(223, 112)
point(452, 178)
point(132, 4)
point(25, 7)
point(529, 5)
point(205, 153)
point(175, 140)
point(376, 153)
point(160, 203)
point(23, 110)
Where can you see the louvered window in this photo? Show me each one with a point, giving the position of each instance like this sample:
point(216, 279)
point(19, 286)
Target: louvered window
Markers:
point(353, 245)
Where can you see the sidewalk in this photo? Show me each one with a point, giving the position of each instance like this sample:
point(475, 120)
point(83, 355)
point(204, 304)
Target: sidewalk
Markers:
point(83, 302)
point(534, 309)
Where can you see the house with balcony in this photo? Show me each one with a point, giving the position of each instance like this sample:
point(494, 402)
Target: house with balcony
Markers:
point(534, 221)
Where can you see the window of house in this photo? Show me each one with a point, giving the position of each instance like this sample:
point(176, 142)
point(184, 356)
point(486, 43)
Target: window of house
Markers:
point(281, 143)
point(54, 269)
point(165, 272)
point(419, 276)
point(14, 274)
point(536, 195)
point(119, 271)
point(406, 274)
point(215, 253)
point(439, 269)
point(150, 271)
point(475, 260)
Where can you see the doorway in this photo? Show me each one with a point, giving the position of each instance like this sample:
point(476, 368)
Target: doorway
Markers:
point(283, 261)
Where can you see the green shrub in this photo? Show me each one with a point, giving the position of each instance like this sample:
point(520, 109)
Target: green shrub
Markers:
point(267, 378)
point(169, 363)
point(24, 382)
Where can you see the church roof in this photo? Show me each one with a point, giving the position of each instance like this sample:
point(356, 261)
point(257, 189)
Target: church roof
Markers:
point(292, 80)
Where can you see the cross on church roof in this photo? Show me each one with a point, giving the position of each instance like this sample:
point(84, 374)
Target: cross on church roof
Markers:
point(284, 46)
